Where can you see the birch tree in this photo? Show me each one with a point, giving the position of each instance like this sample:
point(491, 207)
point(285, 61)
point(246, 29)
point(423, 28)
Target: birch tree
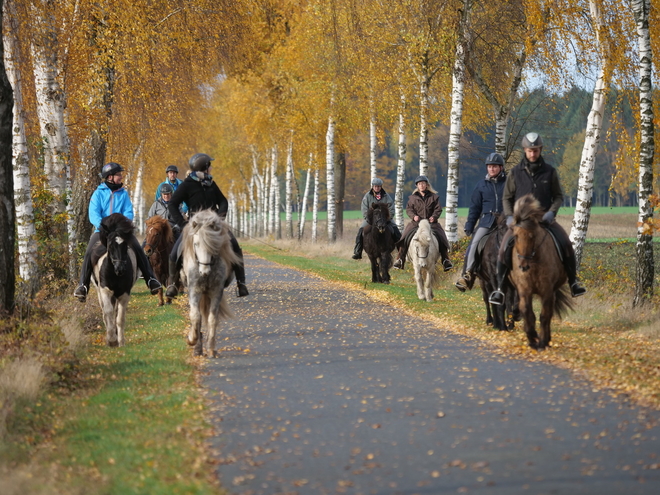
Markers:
point(401, 166)
point(645, 265)
point(330, 178)
point(315, 207)
point(303, 209)
point(288, 200)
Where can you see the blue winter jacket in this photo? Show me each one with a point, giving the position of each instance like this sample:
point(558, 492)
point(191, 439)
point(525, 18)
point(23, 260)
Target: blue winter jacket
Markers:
point(104, 202)
point(486, 201)
point(177, 182)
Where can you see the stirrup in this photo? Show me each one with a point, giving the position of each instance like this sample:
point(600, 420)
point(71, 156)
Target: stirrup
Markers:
point(461, 284)
point(497, 297)
point(577, 289)
point(357, 256)
point(447, 264)
point(172, 291)
point(156, 287)
point(242, 289)
point(80, 293)
point(398, 264)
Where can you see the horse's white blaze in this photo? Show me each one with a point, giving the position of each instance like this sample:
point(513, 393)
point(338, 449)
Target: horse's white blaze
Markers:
point(119, 240)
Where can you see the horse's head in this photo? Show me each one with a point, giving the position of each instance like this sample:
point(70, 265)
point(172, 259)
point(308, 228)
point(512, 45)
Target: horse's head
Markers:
point(423, 235)
point(378, 216)
point(158, 232)
point(527, 213)
point(117, 252)
point(115, 233)
point(207, 232)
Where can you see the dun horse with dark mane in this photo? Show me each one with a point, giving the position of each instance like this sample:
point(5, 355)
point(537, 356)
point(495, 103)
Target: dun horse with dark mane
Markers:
point(537, 270)
point(379, 242)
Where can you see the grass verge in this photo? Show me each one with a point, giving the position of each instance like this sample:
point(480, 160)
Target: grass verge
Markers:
point(127, 420)
point(605, 340)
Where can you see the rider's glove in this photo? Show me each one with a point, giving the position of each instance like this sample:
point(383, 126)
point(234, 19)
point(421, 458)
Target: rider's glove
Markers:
point(468, 232)
point(548, 217)
point(509, 221)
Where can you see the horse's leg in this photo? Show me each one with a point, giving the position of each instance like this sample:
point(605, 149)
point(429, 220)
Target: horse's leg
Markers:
point(107, 307)
point(122, 305)
point(547, 311)
point(428, 284)
point(195, 319)
point(161, 301)
point(375, 274)
point(213, 322)
point(527, 310)
point(385, 267)
point(485, 294)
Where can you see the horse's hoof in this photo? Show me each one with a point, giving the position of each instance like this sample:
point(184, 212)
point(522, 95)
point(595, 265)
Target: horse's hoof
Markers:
point(387, 282)
point(191, 342)
point(214, 354)
point(169, 301)
point(197, 353)
point(113, 343)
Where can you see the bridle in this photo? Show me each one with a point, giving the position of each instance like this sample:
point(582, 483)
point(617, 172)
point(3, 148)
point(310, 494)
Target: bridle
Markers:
point(151, 246)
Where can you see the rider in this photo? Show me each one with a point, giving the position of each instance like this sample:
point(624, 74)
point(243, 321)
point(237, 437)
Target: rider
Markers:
point(200, 192)
point(486, 203)
point(172, 171)
point(375, 195)
point(534, 176)
point(111, 197)
point(160, 207)
point(424, 203)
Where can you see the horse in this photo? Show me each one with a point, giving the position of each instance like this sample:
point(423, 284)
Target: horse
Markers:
point(537, 270)
point(114, 273)
point(158, 245)
point(379, 242)
point(486, 270)
point(207, 271)
point(424, 253)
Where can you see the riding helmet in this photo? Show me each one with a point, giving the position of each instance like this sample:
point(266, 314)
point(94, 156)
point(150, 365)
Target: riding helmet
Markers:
point(495, 159)
point(172, 168)
point(421, 178)
point(110, 168)
point(200, 162)
point(376, 181)
point(532, 140)
point(166, 188)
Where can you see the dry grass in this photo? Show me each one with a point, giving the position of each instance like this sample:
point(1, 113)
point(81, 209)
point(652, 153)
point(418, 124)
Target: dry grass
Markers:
point(20, 379)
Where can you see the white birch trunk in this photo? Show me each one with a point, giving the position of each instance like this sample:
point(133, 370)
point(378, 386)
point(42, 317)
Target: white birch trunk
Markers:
point(138, 197)
point(401, 167)
point(253, 193)
point(373, 145)
point(288, 200)
point(303, 209)
point(266, 199)
point(258, 181)
point(455, 129)
point(645, 270)
point(315, 206)
point(272, 202)
point(25, 229)
point(276, 203)
point(330, 178)
point(50, 103)
point(423, 127)
point(591, 140)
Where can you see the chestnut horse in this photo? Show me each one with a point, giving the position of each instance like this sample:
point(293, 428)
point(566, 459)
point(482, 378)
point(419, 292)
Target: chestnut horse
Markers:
point(158, 245)
point(537, 270)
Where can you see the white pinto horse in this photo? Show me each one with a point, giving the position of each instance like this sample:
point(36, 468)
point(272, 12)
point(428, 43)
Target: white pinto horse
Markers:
point(424, 254)
point(207, 260)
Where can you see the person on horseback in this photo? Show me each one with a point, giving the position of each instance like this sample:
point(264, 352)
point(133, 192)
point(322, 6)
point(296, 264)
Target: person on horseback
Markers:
point(536, 177)
point(485, 205)
point(160, 207)
point(111, 197)
point(424, 202)
point(172, 172)
point(375, 195)
point(200, 192)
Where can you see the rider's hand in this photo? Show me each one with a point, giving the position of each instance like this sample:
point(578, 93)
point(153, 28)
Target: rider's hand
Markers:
point(431, 219)
point(416, 218)
point(467, 232)
point(548, 217)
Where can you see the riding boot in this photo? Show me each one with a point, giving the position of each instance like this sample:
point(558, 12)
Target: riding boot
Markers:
point(239, 272)
point(577, 289)
point(401, 258)
point(173, 280)
point(497, 296)
point(86, 270)
point(357, 251)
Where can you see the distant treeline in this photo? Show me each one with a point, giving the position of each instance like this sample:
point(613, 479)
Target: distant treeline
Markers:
point(559, 118)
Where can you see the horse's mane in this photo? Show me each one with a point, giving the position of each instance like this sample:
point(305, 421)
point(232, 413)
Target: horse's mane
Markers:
point(527, 212)
point(162, 225)
point(377, 206)
point(213, 234)
point(118, 223)
point(424, 227)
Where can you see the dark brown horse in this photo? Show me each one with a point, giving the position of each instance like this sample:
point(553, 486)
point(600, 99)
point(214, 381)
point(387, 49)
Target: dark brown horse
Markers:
point(379, 242)
point(158, 245)
point(496, 314)
point(537, 270)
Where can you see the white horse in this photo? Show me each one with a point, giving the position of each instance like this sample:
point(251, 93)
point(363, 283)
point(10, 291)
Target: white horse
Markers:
point(424, 254)
point(207, 260)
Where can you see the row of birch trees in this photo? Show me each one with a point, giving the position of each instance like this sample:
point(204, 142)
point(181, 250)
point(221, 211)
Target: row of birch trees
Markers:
point(276, 89)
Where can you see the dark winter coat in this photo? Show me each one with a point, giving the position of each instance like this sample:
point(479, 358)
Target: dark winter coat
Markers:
point(486, 202)
point(198, 195)
point(543, 184)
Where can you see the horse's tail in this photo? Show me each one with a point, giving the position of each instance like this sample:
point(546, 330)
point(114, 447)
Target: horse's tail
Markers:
point(563, 301)
point(224, 311)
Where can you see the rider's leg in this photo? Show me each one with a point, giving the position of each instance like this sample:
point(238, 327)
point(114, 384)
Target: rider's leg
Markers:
point(408, 232)
point(175, 270)
point(145, 267)
point(503, 259)
point(467, 277)
point(396, 233)
point(577, 289)
point(357, 250)
point(443, 245)
point(86, 270)
point(239, 268)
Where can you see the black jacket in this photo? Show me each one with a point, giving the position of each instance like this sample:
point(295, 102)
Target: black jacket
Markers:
point(543, 185)
point(198, 197)
point(486, 201)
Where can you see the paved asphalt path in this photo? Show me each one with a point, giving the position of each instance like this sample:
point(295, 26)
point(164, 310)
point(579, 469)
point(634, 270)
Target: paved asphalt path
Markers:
point(321, 390)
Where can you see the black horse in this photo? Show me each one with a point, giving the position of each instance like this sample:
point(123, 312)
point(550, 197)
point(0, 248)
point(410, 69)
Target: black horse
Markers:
point(496, 315)
point(114, 273)
point(379, 242)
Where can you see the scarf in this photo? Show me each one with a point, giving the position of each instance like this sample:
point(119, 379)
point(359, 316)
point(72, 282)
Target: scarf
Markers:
point(202, 177)
point(114, 187)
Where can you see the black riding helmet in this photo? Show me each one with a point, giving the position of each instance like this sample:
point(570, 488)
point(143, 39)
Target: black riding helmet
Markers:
point(166, 189)
point(110, 168)
point(172, 168)
point(200, 162)
point(495, 159)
